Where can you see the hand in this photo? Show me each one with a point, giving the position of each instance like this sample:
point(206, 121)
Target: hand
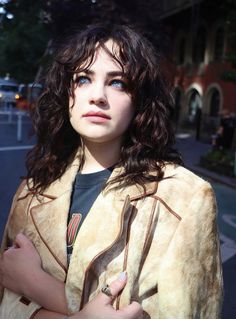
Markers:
point(21, 272)
point(18, 264)
point(101, 306)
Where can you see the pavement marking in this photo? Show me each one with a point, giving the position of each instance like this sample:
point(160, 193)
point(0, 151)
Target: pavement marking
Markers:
point(7, 122)
point(182, 135)
point(16, 148)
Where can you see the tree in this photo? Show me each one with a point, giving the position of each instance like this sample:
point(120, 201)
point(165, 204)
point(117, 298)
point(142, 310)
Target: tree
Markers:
point(229, 7)
point(67, 14)
point(25, 38)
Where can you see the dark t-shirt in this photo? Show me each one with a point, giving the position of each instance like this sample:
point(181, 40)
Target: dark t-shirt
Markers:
point(85, 191)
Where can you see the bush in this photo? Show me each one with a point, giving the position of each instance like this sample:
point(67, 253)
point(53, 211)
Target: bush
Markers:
point(220, 161)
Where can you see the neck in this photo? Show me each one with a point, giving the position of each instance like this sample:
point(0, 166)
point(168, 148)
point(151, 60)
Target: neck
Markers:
point(99, 156)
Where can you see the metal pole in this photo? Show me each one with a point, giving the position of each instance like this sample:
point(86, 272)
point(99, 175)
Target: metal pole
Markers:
point(19, 127)
point(10, 114)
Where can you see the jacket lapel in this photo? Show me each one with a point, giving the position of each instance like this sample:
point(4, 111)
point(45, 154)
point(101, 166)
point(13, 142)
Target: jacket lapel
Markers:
point(50, 221)
point(49, 212)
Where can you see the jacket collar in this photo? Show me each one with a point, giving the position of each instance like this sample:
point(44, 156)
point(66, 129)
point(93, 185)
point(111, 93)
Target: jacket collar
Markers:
point(65, 183)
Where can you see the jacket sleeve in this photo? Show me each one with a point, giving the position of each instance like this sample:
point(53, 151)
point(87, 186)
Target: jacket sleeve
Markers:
point(5, 241)
point(190, 282)
point(14, 306)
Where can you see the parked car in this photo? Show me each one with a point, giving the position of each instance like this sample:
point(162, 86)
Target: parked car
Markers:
point(9, 92)
point(29, 94)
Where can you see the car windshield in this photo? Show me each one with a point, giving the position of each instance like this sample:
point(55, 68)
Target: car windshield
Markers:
point(9, 88)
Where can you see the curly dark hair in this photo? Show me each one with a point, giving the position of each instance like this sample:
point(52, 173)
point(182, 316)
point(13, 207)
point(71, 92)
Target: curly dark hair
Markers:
point(148, 143)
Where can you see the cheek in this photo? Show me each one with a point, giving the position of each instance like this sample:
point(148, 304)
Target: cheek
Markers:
point(74, 116)
point(129, 110)
point(74, 108)
point(126, 115)
point(76, 99)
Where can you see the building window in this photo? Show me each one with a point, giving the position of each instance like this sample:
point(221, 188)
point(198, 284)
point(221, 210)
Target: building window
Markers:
point(181, 51)
point(214, 103)
point(199, 46)
point(219, 44)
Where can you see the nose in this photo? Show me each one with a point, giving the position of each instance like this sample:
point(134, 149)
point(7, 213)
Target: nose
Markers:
point(98, 95)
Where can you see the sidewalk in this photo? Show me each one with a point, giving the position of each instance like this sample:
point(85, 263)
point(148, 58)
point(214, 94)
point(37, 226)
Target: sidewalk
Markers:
point(191, 151)
point(13, 133)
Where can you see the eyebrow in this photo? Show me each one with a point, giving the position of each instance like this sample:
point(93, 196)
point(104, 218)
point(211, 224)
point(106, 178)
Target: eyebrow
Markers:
point(110, 74)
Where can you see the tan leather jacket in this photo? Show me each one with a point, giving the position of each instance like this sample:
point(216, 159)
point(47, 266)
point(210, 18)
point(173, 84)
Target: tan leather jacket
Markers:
point(166, 239)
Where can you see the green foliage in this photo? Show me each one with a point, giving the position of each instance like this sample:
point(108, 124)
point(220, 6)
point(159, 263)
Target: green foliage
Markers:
point(220, 161)
point(23, 40)
point(69, 14)
point(229, 76)
point(226, 10)
point(229, 10)
point(25, 37)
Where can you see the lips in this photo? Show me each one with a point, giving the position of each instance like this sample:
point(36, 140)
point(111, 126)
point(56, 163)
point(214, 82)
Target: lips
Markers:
point(97, 114)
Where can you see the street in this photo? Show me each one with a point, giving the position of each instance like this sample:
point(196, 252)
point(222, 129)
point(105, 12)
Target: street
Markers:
point(12, 158)
point(226, 201)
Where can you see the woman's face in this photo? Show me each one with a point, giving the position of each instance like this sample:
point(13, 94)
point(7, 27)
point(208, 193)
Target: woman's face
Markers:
point(102, 109)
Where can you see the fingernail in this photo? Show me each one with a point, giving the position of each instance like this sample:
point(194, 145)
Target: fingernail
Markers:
point(122, 276)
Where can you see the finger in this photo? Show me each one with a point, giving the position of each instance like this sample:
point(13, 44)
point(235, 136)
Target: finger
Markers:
point(21, 241)
point(134, 310)
point(8, 249)
point(115, 287)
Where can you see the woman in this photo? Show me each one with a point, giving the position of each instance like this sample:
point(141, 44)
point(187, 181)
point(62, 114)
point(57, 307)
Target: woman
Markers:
point(105, 194)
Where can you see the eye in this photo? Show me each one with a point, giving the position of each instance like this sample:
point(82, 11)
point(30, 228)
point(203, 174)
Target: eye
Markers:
point(82, 79)
point(119, 84)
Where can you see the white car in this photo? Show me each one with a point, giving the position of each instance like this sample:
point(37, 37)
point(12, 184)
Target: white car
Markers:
point(9, 93)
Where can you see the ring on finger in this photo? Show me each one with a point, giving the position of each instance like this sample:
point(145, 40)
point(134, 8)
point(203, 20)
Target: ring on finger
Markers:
point(107, 291)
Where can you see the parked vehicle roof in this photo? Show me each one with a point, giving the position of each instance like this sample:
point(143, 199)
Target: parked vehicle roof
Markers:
point(8, 82)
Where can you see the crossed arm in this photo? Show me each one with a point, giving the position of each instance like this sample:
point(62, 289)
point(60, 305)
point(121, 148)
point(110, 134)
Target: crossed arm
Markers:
point(21, 272)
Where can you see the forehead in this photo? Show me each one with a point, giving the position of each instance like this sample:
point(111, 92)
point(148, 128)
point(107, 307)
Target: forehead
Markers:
point(112, 47)
point(107, 54)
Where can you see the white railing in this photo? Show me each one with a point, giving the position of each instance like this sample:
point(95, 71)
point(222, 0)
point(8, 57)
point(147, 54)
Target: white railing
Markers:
point(19, 114)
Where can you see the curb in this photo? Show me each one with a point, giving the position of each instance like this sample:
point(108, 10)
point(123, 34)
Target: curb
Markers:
point(213, 178)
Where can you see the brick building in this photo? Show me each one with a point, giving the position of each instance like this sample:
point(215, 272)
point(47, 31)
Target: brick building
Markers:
point(199, 33)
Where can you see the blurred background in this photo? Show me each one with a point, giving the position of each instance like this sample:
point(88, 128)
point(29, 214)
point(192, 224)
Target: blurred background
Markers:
point(196, 43)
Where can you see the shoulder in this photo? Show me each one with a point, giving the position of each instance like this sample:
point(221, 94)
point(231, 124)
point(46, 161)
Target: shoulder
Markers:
point(179, 176)
point(180, 188)
point(22, 192)
point(17, 215)
point(23, 186)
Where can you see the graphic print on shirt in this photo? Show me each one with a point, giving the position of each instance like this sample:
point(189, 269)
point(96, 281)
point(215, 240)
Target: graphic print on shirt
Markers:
point(72, 230)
